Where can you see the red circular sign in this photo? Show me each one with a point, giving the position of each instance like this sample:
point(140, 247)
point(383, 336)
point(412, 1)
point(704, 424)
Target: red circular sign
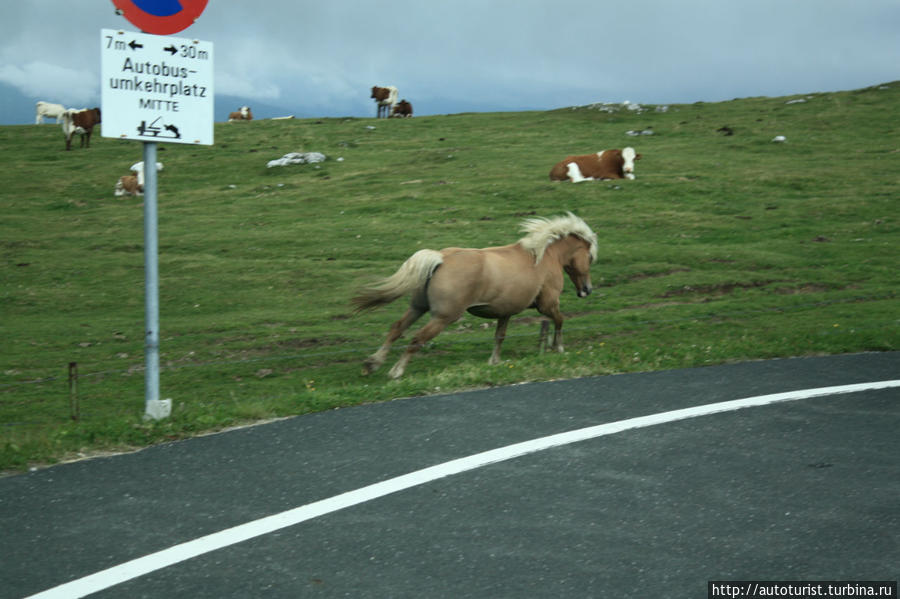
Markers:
point(161, 17)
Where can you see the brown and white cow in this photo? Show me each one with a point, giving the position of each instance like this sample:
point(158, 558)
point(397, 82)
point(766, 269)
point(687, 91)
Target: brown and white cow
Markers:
point(128, 185)
point(607, 164)
point(242, 114)
point(385, 98)
point(133, 184)
point(81, 122)
point(402, 109)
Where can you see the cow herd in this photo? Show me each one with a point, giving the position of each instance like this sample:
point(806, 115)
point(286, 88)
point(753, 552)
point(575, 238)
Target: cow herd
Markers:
point(388, 106)
point(73, 120)
point(606, 164)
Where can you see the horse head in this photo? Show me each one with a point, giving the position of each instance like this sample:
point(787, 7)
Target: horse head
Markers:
point(578, 266)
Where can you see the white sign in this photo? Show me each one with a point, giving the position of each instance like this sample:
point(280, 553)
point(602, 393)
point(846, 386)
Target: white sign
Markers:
point(156, 88)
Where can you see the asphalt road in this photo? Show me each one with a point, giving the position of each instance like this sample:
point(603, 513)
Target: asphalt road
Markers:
point(807, 489)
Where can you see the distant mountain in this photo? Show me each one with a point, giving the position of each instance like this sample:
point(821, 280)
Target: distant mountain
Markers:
point(15, 107)
point(18, 109)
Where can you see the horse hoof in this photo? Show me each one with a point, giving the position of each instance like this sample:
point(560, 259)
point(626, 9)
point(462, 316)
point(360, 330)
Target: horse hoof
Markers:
point(370, 366)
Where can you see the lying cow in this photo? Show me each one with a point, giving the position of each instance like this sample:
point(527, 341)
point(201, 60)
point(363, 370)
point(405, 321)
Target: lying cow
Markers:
point(46, 109)
point(385, 98)
point(402, 109)
point(242, 114)
point(128, 185)
point(608, 164)
point(81, 122)
point(133, 184)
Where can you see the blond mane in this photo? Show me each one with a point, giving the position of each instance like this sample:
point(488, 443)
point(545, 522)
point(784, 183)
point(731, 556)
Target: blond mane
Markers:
point(541, 232)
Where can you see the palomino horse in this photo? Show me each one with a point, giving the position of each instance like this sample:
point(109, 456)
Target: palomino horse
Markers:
point(495, 282)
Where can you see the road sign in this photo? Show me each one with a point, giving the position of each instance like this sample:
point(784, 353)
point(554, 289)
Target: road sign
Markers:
point(162, 17)
point(156, 88)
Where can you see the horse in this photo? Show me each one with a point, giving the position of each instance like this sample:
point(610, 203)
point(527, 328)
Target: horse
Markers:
point(493, 282)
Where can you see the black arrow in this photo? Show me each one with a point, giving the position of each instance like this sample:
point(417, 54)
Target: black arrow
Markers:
point(171, 49)
point(134, 45)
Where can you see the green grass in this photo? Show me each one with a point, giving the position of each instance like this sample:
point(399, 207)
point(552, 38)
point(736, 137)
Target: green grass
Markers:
point(725, 248)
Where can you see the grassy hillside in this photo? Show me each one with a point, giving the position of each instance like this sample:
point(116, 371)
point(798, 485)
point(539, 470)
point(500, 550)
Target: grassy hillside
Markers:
point(725, 248)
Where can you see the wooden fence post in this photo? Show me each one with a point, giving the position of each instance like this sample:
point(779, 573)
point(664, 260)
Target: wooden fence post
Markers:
point(74, 408)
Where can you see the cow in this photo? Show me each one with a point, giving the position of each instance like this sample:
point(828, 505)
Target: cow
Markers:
point(127, 185)
point(242, 114)
point(133, 184)
point(385, 98)
point(607, 164)
point(81, 122)
point(46, 109)
point(402, 109)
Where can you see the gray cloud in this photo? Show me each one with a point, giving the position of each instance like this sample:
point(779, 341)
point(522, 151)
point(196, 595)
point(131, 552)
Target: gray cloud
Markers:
point(321, 58)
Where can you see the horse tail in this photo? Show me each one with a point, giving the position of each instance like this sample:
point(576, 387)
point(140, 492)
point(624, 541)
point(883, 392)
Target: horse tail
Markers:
point(411, 276)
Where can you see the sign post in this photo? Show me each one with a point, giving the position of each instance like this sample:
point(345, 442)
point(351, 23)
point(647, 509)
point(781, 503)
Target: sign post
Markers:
point(153, 407)
point(156, 89)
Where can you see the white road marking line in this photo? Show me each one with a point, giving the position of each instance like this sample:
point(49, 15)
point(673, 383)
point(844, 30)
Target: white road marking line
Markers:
point(190, 549)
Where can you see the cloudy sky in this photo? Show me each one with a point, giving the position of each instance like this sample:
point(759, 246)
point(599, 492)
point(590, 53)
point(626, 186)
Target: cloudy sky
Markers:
point(321, 58)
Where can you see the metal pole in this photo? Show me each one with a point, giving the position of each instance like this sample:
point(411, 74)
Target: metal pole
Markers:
point(151, 282)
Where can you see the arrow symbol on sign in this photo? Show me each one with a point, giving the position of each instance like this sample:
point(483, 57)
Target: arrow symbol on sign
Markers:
point(134, 45)
point(171, 49)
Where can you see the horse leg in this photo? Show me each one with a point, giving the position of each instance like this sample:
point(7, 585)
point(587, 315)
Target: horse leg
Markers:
point(499, 336)
point(542, 339)
point(557, 335)
point(550, 309)
point(423, 336)
point(374, 361)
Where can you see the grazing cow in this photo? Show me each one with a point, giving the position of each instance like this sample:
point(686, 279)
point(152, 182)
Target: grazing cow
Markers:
point(133, 184)
point(81, 122)
point(402, 109)
point(46, 109)
point(608, 164)
point(243, 114)
point(385, 97)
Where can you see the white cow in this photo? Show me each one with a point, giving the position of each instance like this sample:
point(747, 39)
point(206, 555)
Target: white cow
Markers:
point(46, 109)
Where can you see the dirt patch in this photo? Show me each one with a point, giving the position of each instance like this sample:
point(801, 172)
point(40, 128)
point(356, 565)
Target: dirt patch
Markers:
point(653, 275)
point(808, 288)
point(714, 290)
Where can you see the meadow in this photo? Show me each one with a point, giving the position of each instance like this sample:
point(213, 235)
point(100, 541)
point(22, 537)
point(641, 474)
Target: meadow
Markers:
point(725, 248)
